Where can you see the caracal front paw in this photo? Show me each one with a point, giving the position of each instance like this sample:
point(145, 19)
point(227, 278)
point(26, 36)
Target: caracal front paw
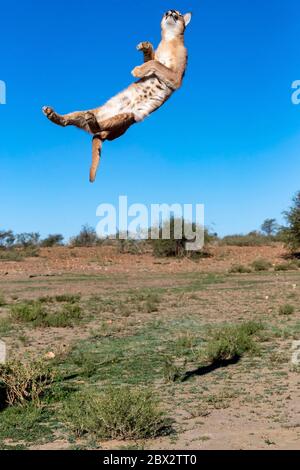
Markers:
point(145, 46)
point(142, 71)
point(47, 111)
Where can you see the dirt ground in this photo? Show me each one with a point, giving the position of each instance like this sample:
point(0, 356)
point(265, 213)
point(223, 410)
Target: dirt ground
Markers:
point(102, 260)
point(251, 404)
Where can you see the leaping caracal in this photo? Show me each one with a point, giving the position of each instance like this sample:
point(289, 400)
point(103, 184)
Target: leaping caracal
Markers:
point(159, 76)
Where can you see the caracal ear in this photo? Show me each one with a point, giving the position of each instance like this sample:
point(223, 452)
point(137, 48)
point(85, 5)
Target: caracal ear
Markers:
point(187, 18)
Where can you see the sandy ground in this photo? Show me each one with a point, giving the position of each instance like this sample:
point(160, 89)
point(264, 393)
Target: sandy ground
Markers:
point(106, 260)
point(253, 404)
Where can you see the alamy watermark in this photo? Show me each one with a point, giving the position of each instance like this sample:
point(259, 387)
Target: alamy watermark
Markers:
point(2, 92)
point(2, 352)
point(157, 221)
point(296, 93)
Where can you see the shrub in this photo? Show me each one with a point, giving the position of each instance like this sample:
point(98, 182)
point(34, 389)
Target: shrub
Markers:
point(169, 243)
point(40, 315)
point(231, 342)
point(239, 268)
point(18, 254)
point(5, 326)
point(30, 252)
point(52, 240)
point(251, 239)
point(261, 265)
point(25, 382)
point(86, 361)
point(152, 302)
point(131, 246)
point(71, 298)
point(24, 423)
point(86, 237)
point(172, 372)
point(11, 255)
point(2, 300)
point(286, 309)
point(291, 233)
point(118, 413)
point(286, 267)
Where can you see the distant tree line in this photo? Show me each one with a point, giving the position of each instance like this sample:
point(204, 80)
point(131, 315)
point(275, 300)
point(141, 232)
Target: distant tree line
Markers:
point(270, 231)
point(8, 240)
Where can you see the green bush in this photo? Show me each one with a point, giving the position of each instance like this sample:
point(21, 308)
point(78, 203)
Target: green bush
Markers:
point(171, 371)
point(130, 246)
point(239, 268)
point(11, 255)
point(291, 233)
point(232, 342)
point(5, 326)
point(86, 237)
point(261, 265)
point(2, 300)
point(52, 240)
point(86, 361)
point(25, 382)
point(118, 413)
point(70, 298)
point(286, 267)
point(174, 246)
point(251, 239)
point(40, 314)
point(286, 309)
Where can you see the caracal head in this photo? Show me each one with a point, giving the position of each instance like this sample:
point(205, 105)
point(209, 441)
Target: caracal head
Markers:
point(174, 23)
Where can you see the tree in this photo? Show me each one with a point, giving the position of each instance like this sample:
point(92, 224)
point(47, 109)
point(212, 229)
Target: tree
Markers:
point(52, 240)
point(7, 238)
point(292, 231)
point(86, 237)
point(171, 238)
point(26, 240)
point(269, 227)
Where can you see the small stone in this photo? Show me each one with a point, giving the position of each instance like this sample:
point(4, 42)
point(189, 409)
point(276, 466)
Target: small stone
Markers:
point(50, 355)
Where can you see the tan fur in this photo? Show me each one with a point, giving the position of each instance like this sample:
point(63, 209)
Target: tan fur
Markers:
point(159, 76)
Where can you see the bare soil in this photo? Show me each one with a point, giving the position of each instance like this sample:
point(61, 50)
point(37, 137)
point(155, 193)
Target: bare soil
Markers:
point(252, 404)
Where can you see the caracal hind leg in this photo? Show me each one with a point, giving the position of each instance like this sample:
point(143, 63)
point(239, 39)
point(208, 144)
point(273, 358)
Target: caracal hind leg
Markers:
point(116, 126)
point(110, 129)
point(85, 120)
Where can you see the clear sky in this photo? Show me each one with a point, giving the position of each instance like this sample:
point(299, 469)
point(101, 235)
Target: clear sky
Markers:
point(229, 138)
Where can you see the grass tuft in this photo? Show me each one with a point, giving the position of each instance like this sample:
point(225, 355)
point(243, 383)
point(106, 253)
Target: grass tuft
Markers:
point(2, 300)
point(286, 309)
point(261, 265)
point(239, 268)
point(40, 315)
point(286, 267)
point(118, 413)
point(232, 342)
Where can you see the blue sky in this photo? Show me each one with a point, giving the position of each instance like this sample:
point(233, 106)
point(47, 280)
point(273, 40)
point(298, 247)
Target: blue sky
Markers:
point(228, 139)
